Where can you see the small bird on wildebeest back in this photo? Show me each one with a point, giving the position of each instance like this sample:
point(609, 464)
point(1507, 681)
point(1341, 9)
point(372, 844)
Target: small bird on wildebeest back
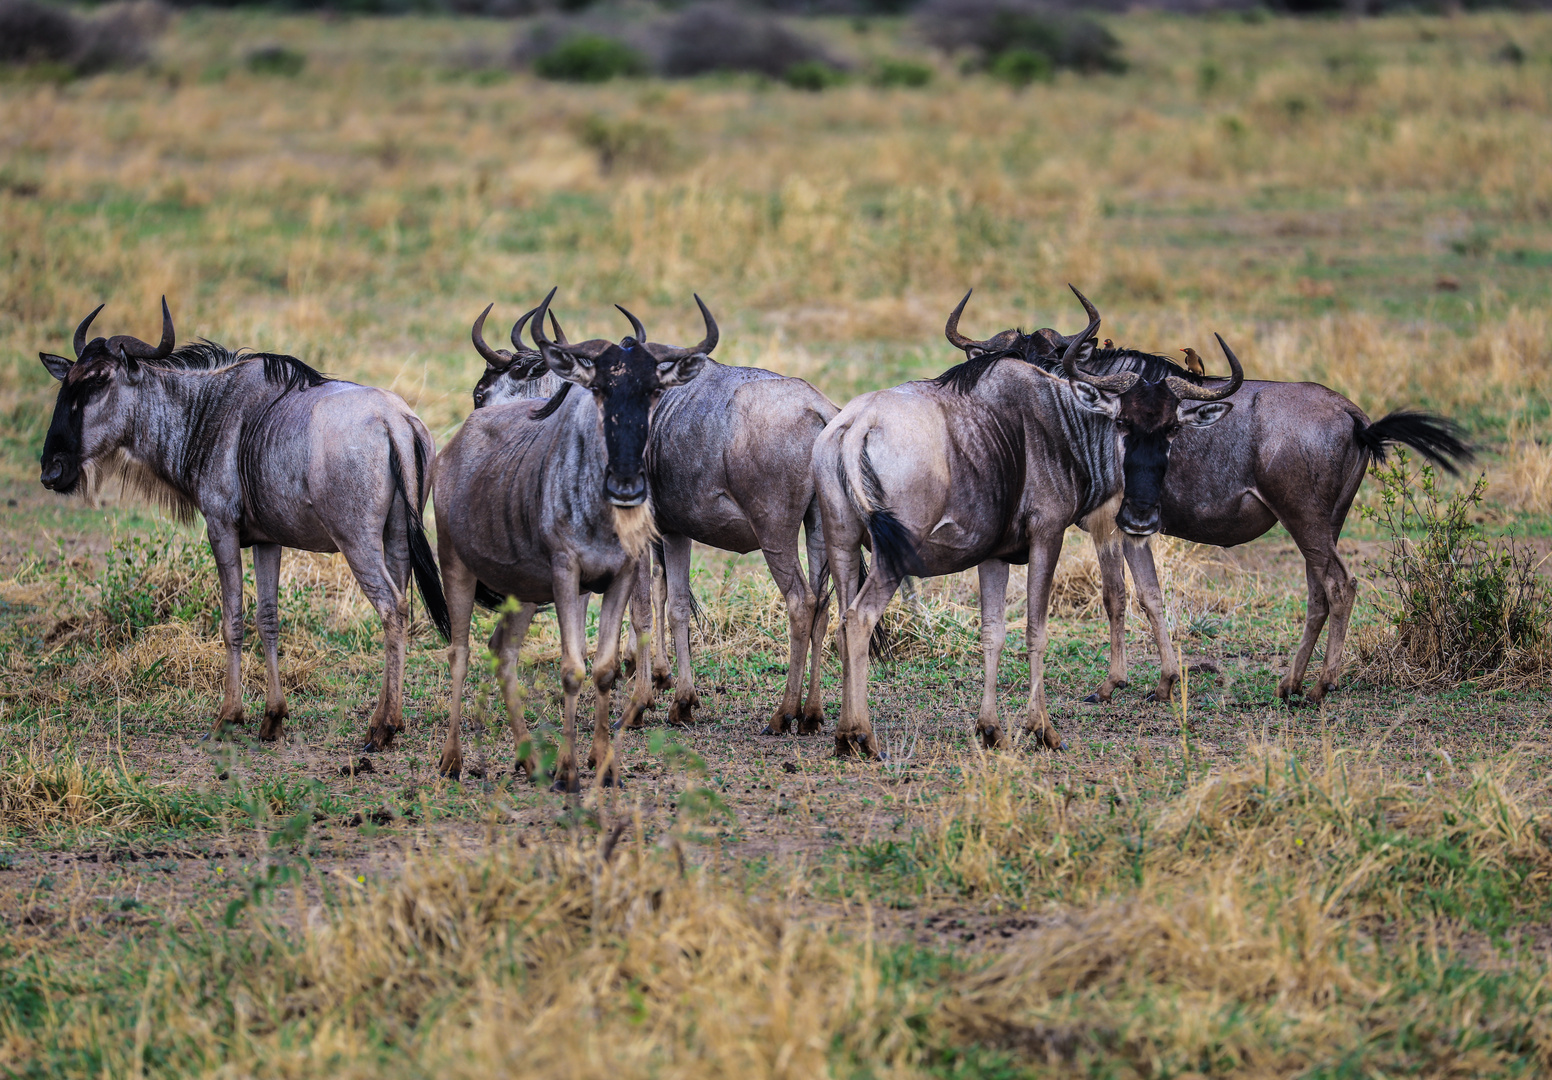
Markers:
point(1193, 362)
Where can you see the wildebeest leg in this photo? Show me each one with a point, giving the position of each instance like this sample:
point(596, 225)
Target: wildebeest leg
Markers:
point(676, 559)
point(641, 628)
point(1341, 592)
point(228, 556)
point(1314, 619)
point(571, 614)
point(813, 710)
point(1112, 577)
point(368, 562)
point(266, 581)
point(458, 584)
point(994, 631)
point(787, 572)
point(660, 630)
point(854, 732)
point(507, 644)
point(606, 669)
point(1140, 558)
point(1043, 553)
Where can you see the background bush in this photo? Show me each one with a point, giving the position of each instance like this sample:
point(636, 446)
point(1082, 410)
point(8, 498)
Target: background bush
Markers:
point(992, 28)
point(721, 37)
point(589, 58)
point(119, 36)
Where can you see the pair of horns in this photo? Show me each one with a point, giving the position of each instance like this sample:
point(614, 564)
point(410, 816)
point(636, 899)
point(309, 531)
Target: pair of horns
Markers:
point(125, 346)
point(500, 359)
point(662, 353)
point(1119, 383)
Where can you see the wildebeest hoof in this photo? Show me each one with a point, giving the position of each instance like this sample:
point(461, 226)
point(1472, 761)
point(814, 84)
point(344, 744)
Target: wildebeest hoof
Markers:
point(780, 724)
point(662, 680)
point(450, 772)
point(1047, 738)
point(993, 738)
point(862, 746)
point(569, 787)
point(811, 723)
point(1094, 699)
point(612, 779)
point(682, 711)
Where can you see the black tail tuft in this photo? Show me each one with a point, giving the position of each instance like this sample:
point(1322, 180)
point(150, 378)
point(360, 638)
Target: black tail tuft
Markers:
point(1437, 439)
point(894, 551)
point(488, 598)
point(427, 577)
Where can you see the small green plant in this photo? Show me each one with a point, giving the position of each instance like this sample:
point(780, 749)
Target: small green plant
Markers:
point(1020, 67)
point(891, 72)
point(1209, 76)
point(625, 141)
point(1464, 604)
point(151, 580)
point(589, 58)
point(813, 75)
point(276, 60)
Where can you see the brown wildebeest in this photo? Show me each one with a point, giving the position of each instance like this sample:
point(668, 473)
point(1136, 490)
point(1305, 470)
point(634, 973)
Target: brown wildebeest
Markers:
point(549, 504)
point(1291, 453)
point(522, 375)
point(984, 466)
point(274, 455)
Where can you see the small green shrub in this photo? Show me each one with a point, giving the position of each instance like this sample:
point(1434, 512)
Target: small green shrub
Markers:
point(589, 58)
point(154, 580)
point(276, 60)
point(891, 72)
point(812, 75)
point(626, 142)
point(1464, 605)
point(1020, 67)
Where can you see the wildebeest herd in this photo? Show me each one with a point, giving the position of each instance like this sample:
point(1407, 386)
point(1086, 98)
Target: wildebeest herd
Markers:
point(545, 496)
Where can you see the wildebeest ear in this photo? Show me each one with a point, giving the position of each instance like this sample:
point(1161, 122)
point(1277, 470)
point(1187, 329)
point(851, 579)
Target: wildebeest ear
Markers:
point(571, 366)
point(1207, 415)
point(58, 366)
point(1096, 400)
point(678, 372)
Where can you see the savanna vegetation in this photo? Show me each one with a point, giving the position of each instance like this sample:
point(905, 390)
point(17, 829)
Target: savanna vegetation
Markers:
point(1219, 884)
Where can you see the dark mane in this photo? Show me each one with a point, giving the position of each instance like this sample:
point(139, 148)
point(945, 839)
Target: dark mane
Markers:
point(1033, 349)
point(284, 371)
point(1152, 367)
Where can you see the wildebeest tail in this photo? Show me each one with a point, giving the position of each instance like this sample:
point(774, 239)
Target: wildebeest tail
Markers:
point(427, 577)
point(1434, 437)
point(488, 598)
point(894, 549)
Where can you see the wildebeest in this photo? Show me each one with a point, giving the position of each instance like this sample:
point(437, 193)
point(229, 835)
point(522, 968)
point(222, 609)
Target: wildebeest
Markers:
point(274, 455)
point(984, 466)
point(549, 504)
point(522, 375)
point(1291, 453)
point(729, 459)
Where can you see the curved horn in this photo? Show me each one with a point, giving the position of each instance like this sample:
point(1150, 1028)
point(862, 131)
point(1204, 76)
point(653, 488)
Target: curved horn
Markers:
point(958, 340)
point(536, 328)
point(80, 332)
point(1189, 391)
point(128, 346)
point(518, 348)
point(707, 343)
point(640, 331)
point(560, 335)
point(1118, 383)
point(495, 359)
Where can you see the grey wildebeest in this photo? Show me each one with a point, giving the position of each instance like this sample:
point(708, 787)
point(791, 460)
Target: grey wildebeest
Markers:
point(729, 459)
point(549, 504)
point(274, 455)
point(728, 462)
point(1290, 453)
point(984, 466)
point(522, 375)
